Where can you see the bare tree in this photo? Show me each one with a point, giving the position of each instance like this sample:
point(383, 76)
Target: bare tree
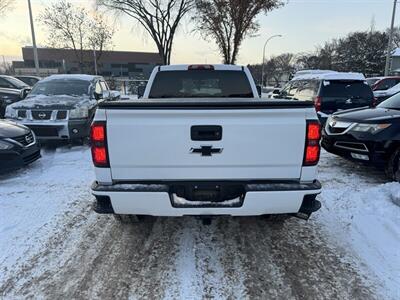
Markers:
point(160, 18)
point(228, 22)
point(72, 27)
point(4, 5)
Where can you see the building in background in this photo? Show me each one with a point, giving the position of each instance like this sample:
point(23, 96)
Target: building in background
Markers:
point(127, 64)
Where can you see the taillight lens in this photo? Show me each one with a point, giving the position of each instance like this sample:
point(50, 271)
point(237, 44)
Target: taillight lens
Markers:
point(312, 149)
point(99, 145)
point(318, 103)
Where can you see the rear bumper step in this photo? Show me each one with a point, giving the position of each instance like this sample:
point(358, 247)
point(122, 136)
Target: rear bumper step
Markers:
point(162, 200)
point(256, 186)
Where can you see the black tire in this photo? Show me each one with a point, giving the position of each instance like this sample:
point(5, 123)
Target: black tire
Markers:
point(392, 168)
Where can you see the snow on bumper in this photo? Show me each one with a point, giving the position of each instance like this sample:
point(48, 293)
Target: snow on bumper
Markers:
point(156, 200)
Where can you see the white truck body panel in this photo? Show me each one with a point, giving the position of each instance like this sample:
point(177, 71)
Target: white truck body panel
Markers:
point(155, 144)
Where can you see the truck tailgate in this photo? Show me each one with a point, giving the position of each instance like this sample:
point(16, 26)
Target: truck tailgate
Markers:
point(156, 144)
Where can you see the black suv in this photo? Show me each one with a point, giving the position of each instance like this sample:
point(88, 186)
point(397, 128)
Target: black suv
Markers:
point(330, 92)
point(370, 135)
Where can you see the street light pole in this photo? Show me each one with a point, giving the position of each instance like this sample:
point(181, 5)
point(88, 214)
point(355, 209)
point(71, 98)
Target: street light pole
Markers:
point(389, 49)
point(263, 61)
point(35, 54)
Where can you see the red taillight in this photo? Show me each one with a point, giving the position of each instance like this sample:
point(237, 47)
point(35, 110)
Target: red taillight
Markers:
point(312, 155)
point(99, 144)
point(99, 155)
point(97, 133)
point(313, 131)
point(312, 149)
point(318, 103)
point(201, 67)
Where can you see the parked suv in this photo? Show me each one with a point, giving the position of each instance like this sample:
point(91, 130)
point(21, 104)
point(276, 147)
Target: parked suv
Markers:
point(61, 107)
point(330, 91)
point(369, 135)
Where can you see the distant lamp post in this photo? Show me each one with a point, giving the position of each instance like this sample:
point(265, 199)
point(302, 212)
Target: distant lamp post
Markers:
point(35, 53)
point(263, 61)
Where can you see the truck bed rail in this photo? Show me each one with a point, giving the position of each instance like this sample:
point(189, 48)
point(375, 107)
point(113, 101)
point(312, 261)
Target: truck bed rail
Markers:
point(217, 103)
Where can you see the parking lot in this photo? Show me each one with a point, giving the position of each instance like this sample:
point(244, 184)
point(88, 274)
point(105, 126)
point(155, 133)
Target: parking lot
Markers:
point(54, 246)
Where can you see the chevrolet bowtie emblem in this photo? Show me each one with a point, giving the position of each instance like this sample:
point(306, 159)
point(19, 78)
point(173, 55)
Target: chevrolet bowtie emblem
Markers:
point(206, 150)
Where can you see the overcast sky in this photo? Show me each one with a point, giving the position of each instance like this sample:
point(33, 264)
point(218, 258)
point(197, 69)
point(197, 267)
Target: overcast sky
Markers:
point(304, 24)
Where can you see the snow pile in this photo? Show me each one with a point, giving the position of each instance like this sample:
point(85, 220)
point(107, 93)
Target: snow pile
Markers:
point(329, 75)
point(363, 218)
point(33, 200)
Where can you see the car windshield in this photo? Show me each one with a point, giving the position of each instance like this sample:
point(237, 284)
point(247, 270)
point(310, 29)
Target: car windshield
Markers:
point(16, 82)
point(29, 80)
point(391, 103)
point(346, 89)
point(62, 87)
point(201, 84)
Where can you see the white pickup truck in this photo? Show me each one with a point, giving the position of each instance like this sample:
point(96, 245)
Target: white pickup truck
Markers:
point(201, 142)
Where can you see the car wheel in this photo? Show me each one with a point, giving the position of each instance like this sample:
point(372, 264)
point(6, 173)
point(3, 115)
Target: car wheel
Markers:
point(392, 168)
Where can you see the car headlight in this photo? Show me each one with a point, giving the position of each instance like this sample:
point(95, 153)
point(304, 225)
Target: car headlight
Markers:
point(79, 113)
point(10, 113)
point(371, 128)
point(5, 146)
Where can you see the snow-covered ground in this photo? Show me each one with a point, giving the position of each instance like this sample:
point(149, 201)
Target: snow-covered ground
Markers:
point(53, 246)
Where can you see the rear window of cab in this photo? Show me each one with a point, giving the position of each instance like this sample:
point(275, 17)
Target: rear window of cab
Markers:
point(201, 84)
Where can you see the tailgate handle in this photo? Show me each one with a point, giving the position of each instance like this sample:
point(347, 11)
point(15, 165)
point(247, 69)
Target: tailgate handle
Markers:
point(206, 133)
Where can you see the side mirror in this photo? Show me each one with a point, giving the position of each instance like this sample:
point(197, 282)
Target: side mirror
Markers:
point(98, 96)
point(114, 95)
point(141, 90)
point(259, 90)
point(24, 93)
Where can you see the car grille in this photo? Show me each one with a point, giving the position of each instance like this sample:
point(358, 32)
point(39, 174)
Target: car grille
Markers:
point(61, 115)
point(41, 114)
point(44, 131)
point(337, 130)
point(31, 158)
point(352, 146)
point(25, 140)
point(22, 114)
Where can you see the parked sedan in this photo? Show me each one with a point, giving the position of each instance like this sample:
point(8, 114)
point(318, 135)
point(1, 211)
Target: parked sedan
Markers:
point(61, 107)
point(18, 146)
point(385, 83)
point(370, 135)
point(382, 95)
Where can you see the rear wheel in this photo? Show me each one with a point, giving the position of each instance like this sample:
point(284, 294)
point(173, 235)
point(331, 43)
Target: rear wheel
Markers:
point(392, 168)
